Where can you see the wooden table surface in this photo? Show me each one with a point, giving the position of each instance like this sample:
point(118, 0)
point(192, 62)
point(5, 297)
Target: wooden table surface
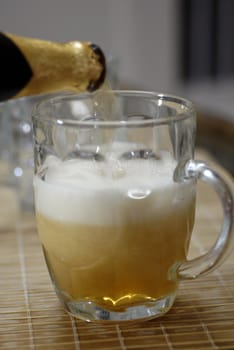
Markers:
point(32, 318)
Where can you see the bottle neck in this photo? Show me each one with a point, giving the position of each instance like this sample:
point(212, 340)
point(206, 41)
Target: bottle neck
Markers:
point(33, 66)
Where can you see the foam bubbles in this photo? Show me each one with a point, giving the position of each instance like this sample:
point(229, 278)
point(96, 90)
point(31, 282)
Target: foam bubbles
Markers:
point(103, 193)
point(138, 193)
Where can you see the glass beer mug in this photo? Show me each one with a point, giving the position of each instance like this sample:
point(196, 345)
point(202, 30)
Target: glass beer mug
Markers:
point(115, 192)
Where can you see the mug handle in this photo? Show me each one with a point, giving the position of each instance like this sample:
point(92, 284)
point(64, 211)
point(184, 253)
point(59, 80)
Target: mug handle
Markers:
point(205, 263)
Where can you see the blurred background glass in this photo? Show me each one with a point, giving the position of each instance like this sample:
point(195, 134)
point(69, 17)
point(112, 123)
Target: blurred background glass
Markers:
point(182, 47)
point(16, 152)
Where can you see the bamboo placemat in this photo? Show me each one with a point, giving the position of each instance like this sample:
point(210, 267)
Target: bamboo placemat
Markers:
point(32, 318)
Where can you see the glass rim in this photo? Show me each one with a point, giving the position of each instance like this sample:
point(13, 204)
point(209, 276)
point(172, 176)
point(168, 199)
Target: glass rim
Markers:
point(187, 105)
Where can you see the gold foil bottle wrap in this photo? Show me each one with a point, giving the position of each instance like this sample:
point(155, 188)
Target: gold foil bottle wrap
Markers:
point(50, 66)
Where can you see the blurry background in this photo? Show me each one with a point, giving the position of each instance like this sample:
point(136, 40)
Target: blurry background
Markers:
point(183, 47)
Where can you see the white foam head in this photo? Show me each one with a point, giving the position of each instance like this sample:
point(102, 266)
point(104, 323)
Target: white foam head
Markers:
point(105, 193)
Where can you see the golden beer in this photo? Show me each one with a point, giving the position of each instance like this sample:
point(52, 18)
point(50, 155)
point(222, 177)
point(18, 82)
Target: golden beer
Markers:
point(116, 241)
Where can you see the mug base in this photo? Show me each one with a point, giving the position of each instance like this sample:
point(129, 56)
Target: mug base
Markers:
point(91, 312)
